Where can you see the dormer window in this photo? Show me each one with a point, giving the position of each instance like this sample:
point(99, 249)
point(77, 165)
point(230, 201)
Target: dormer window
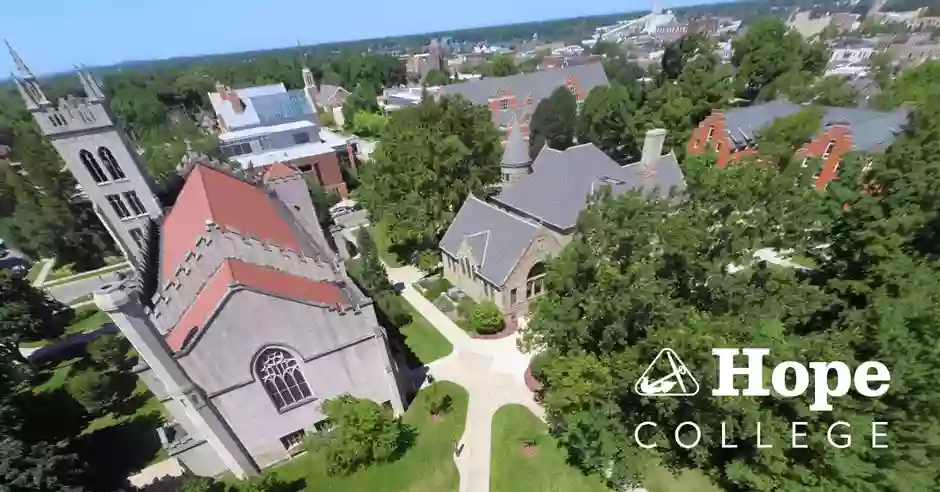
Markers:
point(832, 144)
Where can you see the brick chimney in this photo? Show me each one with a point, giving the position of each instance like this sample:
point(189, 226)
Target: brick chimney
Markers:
point(228, 95)
point(652, 146)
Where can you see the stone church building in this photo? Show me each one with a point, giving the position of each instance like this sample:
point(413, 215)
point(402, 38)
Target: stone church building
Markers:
point(243, 316)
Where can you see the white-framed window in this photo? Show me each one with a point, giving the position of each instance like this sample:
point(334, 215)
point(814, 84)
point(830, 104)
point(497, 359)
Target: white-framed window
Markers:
point(711, 131)
point(282, 378)
point(293, 440)
point(832, 144)
point(118, 205)
point(504, 104)
point(137, 235)
point(114, 169)
point(92, 166)
point(136, 205)
point(535, 281)
point(513, 297)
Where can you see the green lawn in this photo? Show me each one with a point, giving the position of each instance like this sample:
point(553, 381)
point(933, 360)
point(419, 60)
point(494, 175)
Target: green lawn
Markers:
point(514, 470)
point(34, 270)
point(427, 466)
point(547, 470)
point(383, 245)
point(57, 275)
point(86, 322)
point(422, 338)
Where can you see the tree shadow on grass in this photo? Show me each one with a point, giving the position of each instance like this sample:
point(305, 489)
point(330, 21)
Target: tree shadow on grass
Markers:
point(407, 439)
point(53, 416)
point(114, 452)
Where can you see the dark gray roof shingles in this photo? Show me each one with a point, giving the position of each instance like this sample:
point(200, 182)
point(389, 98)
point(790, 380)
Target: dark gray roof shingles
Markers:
point(561, 182)
point(496, 238)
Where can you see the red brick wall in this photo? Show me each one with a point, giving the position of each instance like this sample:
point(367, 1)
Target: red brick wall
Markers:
point(699, 140)
point(330, 175)
point(839, 134)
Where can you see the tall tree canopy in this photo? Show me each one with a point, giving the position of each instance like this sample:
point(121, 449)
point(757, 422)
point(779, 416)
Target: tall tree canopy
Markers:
point(553, 122)
point(770, 49)
point(641, 275)
point(428, 159)
point(607, 120)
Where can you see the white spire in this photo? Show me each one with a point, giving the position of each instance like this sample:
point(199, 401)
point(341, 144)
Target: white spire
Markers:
point(20, 64)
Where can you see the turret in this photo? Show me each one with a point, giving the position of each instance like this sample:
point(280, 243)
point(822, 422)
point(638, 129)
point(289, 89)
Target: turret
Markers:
point(516, 162)
point(26, 84)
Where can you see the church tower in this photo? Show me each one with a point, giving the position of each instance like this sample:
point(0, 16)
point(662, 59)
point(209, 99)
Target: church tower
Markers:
point(515, 162)
point(99, 155)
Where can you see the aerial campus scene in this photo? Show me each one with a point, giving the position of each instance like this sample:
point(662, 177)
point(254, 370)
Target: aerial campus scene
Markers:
point(494, 247)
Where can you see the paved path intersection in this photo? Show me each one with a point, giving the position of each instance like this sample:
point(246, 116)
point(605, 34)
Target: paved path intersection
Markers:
point(492, 372)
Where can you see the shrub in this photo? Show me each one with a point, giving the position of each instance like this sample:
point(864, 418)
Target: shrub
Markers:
point(537, 367)
point(440, 403)
point(486, 319)
point(264, 483)
point(95, 391)
point(436, 287)
point(109, 350)
point(200, 484)
point(465, 307)
point(81, 314)
point(364, 433)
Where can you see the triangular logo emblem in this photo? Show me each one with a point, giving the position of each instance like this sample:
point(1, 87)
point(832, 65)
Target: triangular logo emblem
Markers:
point(667, 376)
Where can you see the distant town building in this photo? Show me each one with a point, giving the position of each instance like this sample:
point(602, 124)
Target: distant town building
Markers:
point(668, 33)
point(732, 133)
point(496, 248)
point(515, 97)
point(268, 124)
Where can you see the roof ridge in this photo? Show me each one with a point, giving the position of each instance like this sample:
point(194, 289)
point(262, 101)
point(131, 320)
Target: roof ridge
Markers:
point(500, 209)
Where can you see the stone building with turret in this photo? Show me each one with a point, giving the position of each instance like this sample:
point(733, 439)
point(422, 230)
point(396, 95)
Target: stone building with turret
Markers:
point(496, 247)
point(242, 315)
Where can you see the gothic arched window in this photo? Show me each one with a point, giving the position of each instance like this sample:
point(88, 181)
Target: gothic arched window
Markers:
point(111, 163)
point(91, 164)
point(282, 378)
point(535, 281)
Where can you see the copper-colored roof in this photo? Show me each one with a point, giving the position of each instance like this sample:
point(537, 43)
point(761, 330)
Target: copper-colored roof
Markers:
point(211, 195)
point(233, 273)
point(279, 170)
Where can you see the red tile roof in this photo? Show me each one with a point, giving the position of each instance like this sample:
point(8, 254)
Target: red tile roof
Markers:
point(279, 170)
point(213, 195)
point(266, 280)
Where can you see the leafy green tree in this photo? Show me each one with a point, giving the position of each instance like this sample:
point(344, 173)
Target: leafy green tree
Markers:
point(436, 77)
point(26, 313)
point(770, 49)
point(553, 122)
point(364, 433)
point(499, 65)
point(109, 351)
point(915, 86)
point(372, 274)
point(779, 140)
point(486, 319)
point(607, 120)
point(38, 467)
point(426, 163)
point(94, 390)
point(362, 99)
point(368, 124)
point(265, 483)
point(680, 52)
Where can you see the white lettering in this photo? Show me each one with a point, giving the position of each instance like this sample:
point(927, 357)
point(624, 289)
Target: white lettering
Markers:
point(875, 435)
point(724, 437)
point(636, 436)
point(759, 445)
point(779, 379)
point(698, 434)
point(863, 379)
point(727, 371)
point(822, 391)
point(793, 443)
point(847, 437)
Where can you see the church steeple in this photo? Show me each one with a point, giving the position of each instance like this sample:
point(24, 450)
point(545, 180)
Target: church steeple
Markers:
point(93, 92)
point(26, 83)
point(516, 160)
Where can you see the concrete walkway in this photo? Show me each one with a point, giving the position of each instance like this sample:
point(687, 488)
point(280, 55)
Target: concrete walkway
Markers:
point(47, 265)
point(492, 372)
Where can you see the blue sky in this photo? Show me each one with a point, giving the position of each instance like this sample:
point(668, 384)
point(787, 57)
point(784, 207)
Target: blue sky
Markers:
point(55, 34)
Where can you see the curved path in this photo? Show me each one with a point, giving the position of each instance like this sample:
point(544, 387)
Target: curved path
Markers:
point(492, 371)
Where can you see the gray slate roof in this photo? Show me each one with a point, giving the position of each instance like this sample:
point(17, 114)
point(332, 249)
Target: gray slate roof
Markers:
point(871, 130)
point(561, 182)
point(537, 84)
point(516, 153)
point(497, 239)
point(554, 193)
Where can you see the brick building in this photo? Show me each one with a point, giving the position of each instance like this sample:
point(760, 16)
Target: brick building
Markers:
point(732, 134)
point(515, 97)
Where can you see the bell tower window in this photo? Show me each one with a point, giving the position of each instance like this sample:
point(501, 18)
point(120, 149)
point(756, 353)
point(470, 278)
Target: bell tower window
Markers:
point(92, 166)
point(114, 169)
